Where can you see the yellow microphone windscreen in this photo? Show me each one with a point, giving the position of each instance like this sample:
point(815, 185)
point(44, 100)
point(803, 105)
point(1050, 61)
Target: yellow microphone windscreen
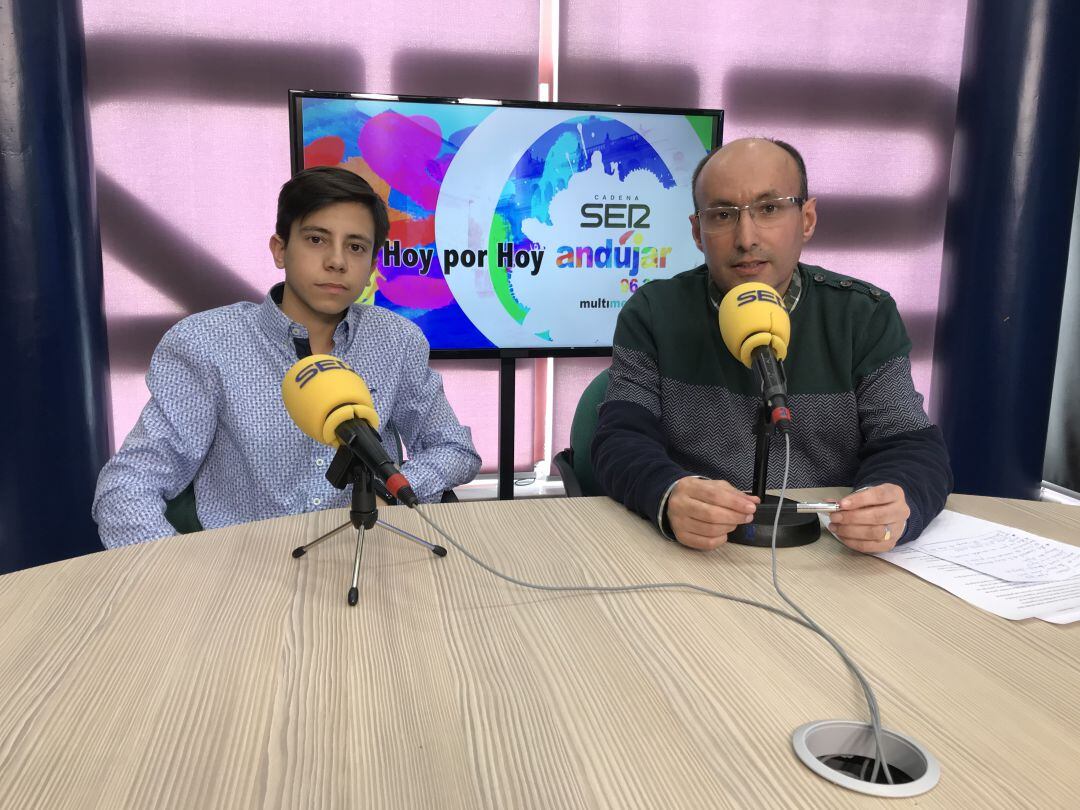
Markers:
point(321, 392)
point(752, 315)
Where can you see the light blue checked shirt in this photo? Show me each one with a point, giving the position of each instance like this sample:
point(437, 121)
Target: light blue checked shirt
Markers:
point(216, 416)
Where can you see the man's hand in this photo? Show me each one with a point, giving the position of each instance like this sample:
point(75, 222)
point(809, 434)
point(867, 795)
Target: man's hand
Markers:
point(701, 512)
point(871, 520)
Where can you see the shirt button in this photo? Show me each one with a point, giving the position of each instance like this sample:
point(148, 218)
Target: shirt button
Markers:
point(316, 501)
point(318, 462)
point(819, 277)
point(846, 282)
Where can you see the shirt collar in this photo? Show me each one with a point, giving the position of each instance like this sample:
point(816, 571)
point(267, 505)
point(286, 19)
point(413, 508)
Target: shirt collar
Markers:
point(794, 290)
point(283, 331)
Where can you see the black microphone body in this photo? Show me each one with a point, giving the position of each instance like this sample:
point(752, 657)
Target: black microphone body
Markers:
point(770, 374)
point(362, 439)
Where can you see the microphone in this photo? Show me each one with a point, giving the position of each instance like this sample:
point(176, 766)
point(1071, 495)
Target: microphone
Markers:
point(756, 329)
point(331, 403)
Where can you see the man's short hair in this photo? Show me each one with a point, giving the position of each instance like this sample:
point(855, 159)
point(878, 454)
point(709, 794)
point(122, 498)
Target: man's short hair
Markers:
point(804, 190)
point(320, 186)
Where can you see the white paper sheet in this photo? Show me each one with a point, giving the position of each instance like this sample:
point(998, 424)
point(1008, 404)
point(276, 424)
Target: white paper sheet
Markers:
point(1012, 600)
point(1065, 617)
point(1000, 551)
point(982, 544)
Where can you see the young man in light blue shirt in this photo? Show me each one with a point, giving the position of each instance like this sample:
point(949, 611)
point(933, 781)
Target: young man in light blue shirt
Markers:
point(215, 418)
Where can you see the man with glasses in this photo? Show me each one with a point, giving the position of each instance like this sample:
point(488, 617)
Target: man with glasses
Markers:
point(675, 436)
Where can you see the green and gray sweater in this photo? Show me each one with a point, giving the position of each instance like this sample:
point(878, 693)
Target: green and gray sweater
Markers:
point(680, 404)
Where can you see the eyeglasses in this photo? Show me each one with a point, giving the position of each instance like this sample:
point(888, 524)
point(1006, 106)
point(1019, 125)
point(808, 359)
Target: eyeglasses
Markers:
point(764, 213)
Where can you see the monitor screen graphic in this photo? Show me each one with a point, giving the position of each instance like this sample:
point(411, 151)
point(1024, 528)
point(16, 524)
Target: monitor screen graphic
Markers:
point(514, 226)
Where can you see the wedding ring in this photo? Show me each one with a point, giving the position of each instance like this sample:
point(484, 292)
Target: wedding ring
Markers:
point(888, 534)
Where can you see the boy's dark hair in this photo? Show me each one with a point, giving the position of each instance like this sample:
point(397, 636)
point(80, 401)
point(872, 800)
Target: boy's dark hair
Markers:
point(320, 186)
point(800, 164)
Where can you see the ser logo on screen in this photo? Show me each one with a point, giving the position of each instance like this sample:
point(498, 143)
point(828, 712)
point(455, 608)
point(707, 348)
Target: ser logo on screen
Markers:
point(615, 215)
point(750, 296)
point(312, 370)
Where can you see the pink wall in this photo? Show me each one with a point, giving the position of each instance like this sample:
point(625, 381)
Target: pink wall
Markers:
point(191, 137)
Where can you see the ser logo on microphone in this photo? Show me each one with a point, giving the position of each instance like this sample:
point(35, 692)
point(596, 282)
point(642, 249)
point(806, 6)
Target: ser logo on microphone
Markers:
point(750, 296)
point(312, 370)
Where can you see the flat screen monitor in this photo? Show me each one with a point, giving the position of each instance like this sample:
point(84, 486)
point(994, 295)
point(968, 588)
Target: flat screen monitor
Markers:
point(516, 228)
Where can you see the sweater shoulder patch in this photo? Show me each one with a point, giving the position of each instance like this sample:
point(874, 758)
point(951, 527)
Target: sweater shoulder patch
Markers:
point(839, 282)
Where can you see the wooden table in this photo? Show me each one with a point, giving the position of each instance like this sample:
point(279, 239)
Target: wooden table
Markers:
point(215, 671)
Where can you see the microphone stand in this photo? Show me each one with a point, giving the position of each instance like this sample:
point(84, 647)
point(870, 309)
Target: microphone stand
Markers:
point(795, 528)
point(347, 469)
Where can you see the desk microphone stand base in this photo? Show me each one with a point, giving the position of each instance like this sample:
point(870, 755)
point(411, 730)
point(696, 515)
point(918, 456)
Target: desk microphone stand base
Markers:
point(794, 529)
point(364, 514)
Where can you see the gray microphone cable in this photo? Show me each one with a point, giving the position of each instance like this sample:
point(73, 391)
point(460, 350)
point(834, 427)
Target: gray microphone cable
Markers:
point(649, 586)
point(871, 698)
point(801, 619)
